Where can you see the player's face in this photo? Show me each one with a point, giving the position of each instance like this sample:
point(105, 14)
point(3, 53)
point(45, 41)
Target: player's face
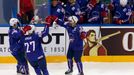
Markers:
point(54, 2)
point(15, 26)
point(72, 23)
point(92, 37)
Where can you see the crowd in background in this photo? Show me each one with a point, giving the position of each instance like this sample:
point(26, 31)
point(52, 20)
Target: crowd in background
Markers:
point(95, 11)
point(90, 11)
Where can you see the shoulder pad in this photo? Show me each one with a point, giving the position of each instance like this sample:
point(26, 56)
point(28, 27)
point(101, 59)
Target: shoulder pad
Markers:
point(14, 31)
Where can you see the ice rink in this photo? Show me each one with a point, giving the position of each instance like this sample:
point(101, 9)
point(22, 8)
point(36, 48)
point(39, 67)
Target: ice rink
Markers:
point(90, 68)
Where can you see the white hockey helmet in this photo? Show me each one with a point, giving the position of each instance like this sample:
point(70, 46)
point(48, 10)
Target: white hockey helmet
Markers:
point(73, 19)
point(123, 2)
point(32, 29)
point(13, 21)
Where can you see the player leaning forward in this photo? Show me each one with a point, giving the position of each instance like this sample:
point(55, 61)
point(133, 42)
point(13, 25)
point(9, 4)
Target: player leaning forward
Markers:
point(75, 49)
point(15, 34)
point(31, 42)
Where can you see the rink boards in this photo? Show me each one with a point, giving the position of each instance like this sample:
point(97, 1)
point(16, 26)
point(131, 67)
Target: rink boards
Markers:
point(120, 46)
point(59, 59)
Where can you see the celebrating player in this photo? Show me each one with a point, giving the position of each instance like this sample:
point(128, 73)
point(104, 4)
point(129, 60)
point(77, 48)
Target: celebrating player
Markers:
point(31, 42)
point(76, 43)
point(15, 35)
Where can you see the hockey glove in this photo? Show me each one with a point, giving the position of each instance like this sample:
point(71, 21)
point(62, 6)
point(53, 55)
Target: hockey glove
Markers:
point(83, 35)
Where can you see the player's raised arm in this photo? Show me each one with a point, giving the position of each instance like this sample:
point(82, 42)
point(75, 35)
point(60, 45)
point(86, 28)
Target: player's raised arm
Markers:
point(48, 22)
point(45, 31)
point(72, 21)
point(61, 23)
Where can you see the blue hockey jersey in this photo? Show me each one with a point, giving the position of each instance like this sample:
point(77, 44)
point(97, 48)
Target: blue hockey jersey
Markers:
point(115, 2)
point(32, 45)
point(15, 35)
point(94, 16)
point(122, 13)
point(74, 35)
point(72, 10)
point(82, 4)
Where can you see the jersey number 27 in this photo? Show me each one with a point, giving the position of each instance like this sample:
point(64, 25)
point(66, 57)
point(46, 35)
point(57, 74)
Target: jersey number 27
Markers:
point(30, 46)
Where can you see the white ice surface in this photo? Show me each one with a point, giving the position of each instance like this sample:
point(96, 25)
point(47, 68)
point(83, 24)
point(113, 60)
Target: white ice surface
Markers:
point(90, 68)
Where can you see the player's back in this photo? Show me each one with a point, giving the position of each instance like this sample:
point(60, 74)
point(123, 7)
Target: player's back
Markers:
point(32, 44)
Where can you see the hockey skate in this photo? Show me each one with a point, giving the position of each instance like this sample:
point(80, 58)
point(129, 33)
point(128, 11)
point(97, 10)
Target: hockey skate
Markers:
point(81, 73)
point(68, 72)
point(22, 72)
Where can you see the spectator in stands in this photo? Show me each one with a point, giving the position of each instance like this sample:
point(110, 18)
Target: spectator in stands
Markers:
point(82, 4)
point(122, 13)
point(111, 6)
point(72, 8)
point(41, 13)
point(26, 11)
point(133, 14)
point(96, 12)
point(83, 7)
point(57, 9)
point(131, 3)
point(115, 2)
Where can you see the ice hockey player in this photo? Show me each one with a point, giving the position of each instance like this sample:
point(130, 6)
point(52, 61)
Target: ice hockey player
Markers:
point(122, 13)
point(15, 35)
point(75, 49)
point(31, 42)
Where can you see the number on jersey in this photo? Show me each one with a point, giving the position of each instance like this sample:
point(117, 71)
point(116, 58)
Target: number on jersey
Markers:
point(30, 46)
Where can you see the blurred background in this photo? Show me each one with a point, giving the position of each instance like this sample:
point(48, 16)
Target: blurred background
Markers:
point(88, 11)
